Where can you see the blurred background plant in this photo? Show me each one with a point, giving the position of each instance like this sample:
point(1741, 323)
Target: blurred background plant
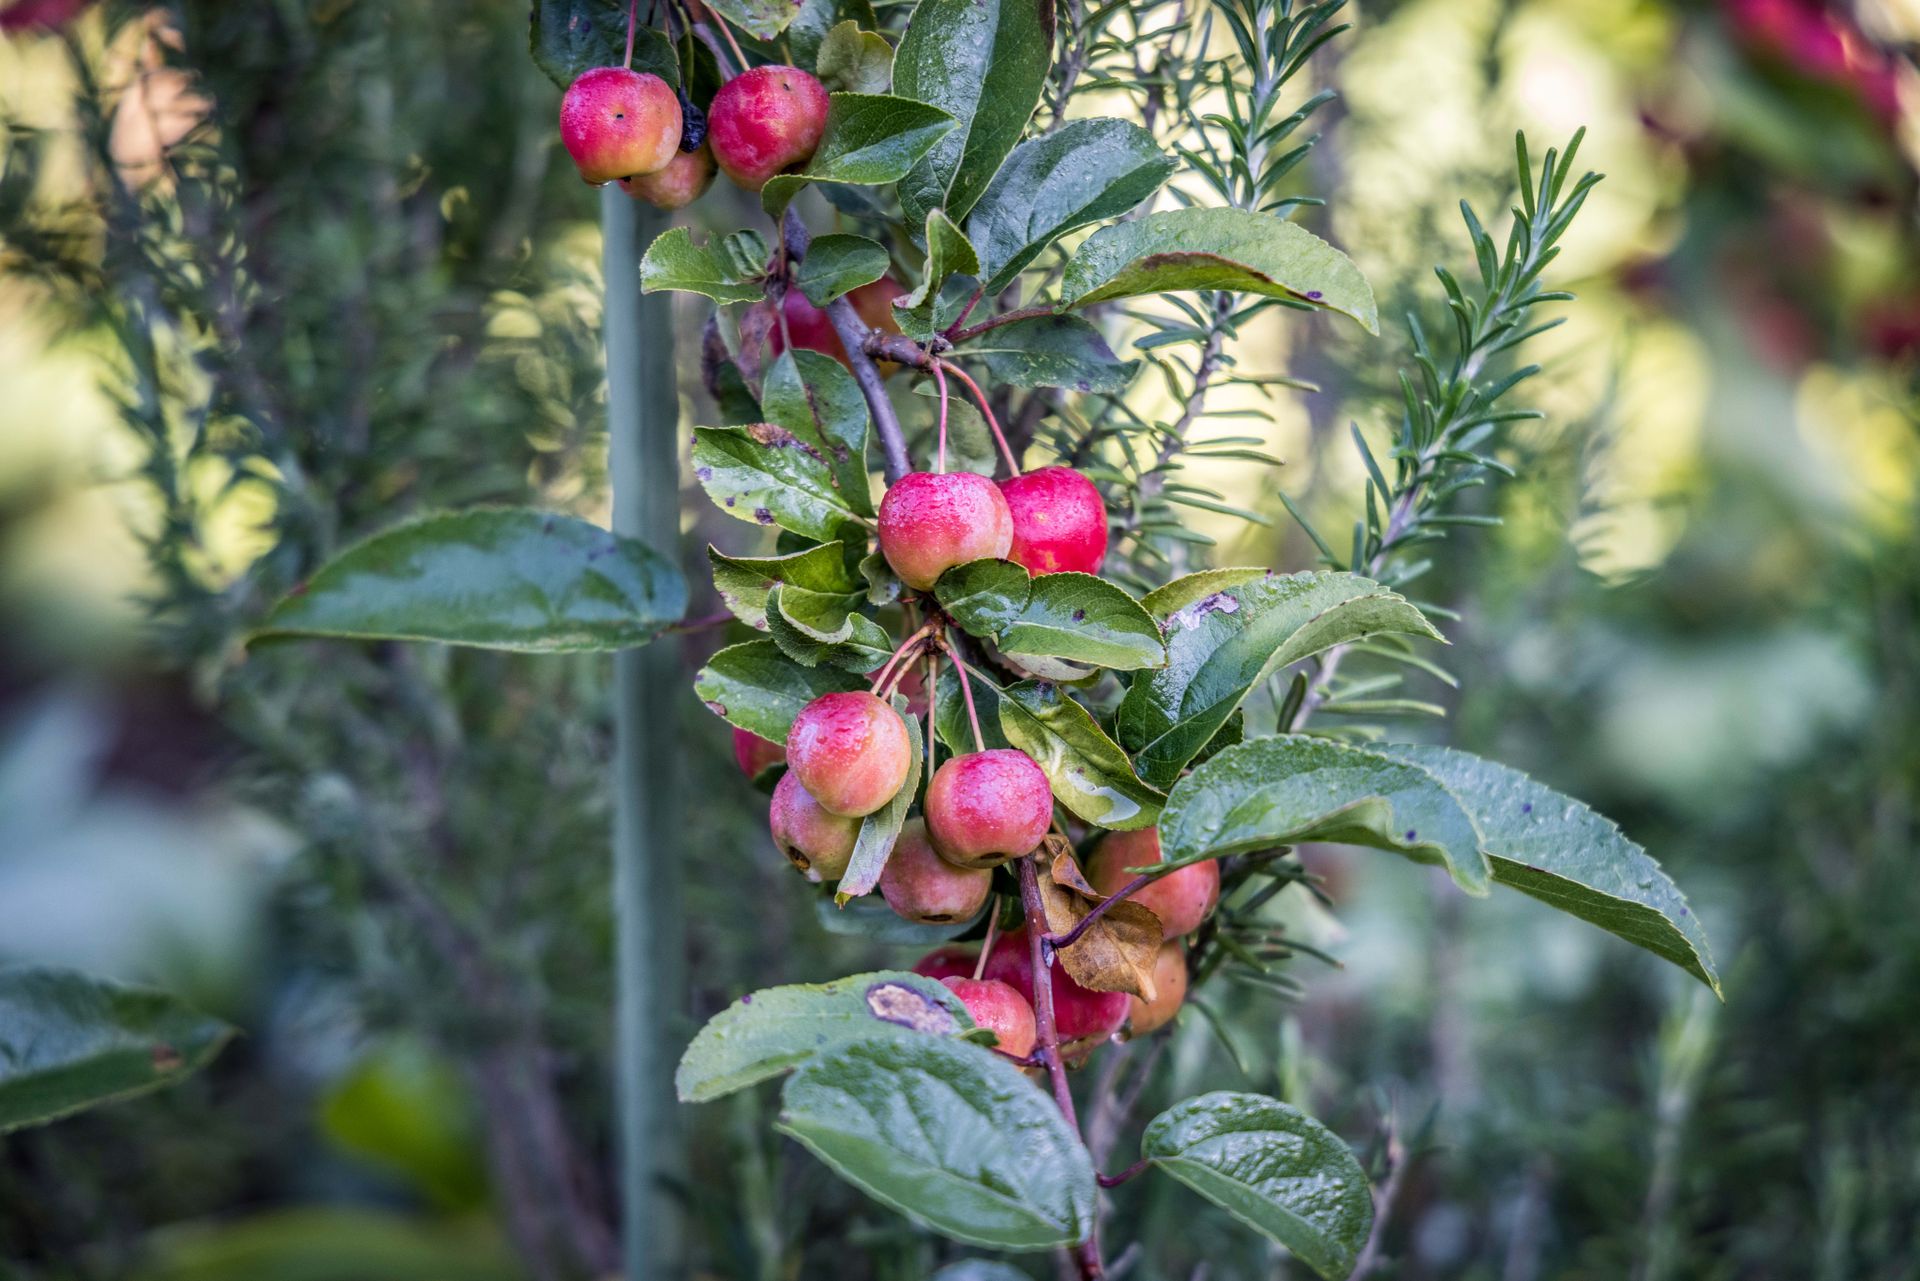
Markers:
point(274, 277)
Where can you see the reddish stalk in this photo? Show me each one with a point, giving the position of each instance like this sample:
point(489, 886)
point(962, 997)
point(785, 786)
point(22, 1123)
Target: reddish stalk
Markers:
point(1086, 1255)
point(957, 336)
point(966, 696)
point(886, 668)
point(633, 14)
point(940, 381)
point(993, 924)
point(986, 411)
point(732, 44)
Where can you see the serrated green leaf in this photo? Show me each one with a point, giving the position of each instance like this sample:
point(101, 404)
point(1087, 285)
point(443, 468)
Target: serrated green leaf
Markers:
point(984, 62)
point(673, 261)
point(570, 37)
point(983, 596)
point(1290, 789)
point(870, 139)
point(1274, 1168)
point(838, 263)
point(1227, 631)
point(1084, 172)
point(755, 687)
point(776, 1029)
point(947, 1133)
point(744, 581)
point(880, 829)
point(850, 60)
point(1089, 773)
point(69, 1042)
point(1555, 849)
point(1083, 619)
point(948, 254)
point(1051, 351)
point(1233, 249)
point(498, 578)
point(813, 628)
point(765, 474)
point(816, 398)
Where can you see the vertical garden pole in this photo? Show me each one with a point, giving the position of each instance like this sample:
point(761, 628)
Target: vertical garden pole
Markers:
point(643, 411)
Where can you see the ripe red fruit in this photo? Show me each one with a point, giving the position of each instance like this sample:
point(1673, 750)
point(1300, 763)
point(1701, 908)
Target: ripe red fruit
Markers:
point(851, 751)
point(684, 180)
point(816, 842)
point(766, 120)
point(1180, 899)
point(1170, 992)
point(921, 886)
point(929, 523)
point(755, 754)
point(812, 330)
point(950, 961)
point(616, 122)
point(1000, 1009)
point(1082, 1016)
point(1059, 521)
point(987, 807)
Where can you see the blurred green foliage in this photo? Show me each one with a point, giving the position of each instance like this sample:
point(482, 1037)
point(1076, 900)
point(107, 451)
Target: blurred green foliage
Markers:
point(361, 287)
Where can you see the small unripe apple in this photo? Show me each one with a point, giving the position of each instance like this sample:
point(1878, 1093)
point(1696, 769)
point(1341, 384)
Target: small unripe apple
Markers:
point(931, 522)
point(818, 843)
point(987, 807)
point(764, 121)
point(812, 329)
point(851, 751)
point(949, 961)
point(921, 886)
point(1059, 521)
point(1170, 991)
point(1081, 1016)
point(1180, 899)
point(756, 755)
point(1000, 1009)
point(616, 122)
point(684, 180)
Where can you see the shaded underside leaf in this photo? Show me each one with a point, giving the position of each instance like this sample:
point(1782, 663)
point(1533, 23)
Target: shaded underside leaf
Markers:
point(838, 262)
point(570, 37)
point(1051, 351)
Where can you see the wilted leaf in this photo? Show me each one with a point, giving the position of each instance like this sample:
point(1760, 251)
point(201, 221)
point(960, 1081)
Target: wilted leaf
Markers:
point(1117, 952)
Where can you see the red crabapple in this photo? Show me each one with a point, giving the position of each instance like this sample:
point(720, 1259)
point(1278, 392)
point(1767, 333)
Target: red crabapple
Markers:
point(931, 522)
point(766, 120)
point(1082, 1016)
point(684, 180)
point(756, 755)
point(616, 123)
point(921, 886)
point(1000, 1009)
point(816, 842)
point(1170, 992)
point(987, 807)
point(850, 751)
point(1059, 521)
point(1180, 899)
point(951, 961)
point(812, 330)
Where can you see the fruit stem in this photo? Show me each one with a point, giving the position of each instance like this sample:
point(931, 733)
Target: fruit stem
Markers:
point(1086, 1255)
point(727, 31)
point(957, 335)
point(940, 381)
point(986, 411)
point(633, 15)
point(973, 716)
point(1115, 1180)
point(932, 684)
point(906, 645)
point(1072, 936)
point(993, 924)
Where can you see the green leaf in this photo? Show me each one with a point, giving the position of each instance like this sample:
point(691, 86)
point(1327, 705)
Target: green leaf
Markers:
point(1235, 249)
point(762, 19)
point(777, 1029)
point(871, 918)
point(569, 37)
point(1554, 848)
point(950, 719)
point(816, 398)
point(854, 61)
point(983, 62)
point(744, 581)
point(765, 474)
point(880, 829)
point(948, 254)
point(837, 263)
point(69, 1042)
point(723, 269)
point(813, 628)
point(1086, 171)
point(1272, 1167)
point(870, 139)
point(983, 596)
point(1051, 351)
point(1291, 789)
point(947, 1133)
point(498, 578)
point(1227, 631)
point(1083, 619)
point(1089, 773)
point(754, 687)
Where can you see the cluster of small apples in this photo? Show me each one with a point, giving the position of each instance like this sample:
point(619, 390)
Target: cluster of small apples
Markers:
point(631, 127)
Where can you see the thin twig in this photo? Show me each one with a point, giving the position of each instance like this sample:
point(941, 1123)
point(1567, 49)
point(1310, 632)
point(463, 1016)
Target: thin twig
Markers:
point(986, 411)
point(1072, 936)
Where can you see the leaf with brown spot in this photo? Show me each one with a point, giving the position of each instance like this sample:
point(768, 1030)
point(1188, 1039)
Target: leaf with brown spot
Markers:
point(1116, 953)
